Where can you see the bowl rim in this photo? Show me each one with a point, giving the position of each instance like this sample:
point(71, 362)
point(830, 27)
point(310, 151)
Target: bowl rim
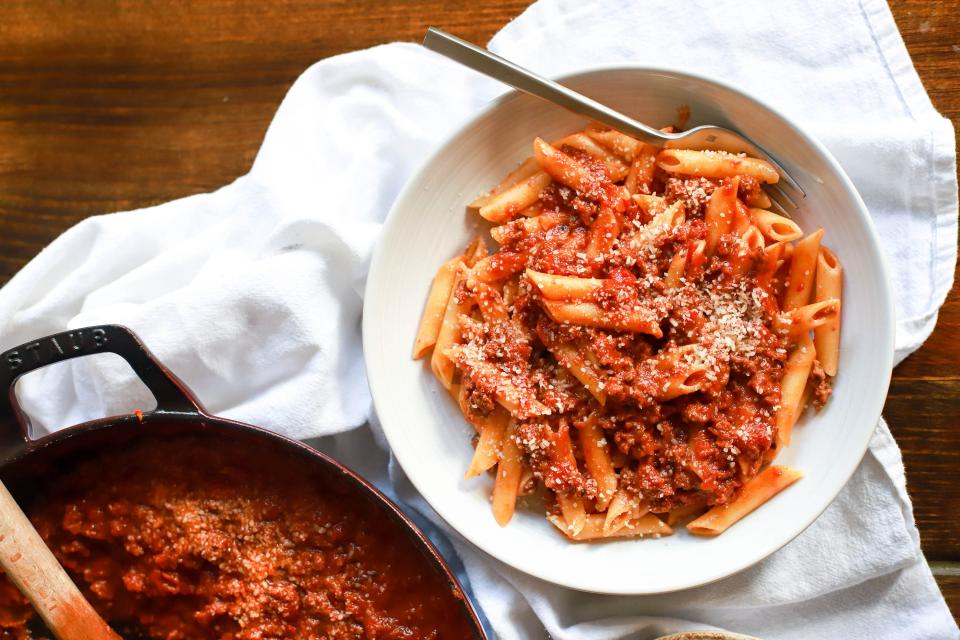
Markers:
point(885, 293)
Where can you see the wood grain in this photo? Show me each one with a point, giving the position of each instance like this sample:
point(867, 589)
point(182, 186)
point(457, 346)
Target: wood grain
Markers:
point(916, 411)
point(115, 104)
point(948, 577)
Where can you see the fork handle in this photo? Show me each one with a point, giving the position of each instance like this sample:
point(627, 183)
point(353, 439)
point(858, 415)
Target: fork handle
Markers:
point(492, 65)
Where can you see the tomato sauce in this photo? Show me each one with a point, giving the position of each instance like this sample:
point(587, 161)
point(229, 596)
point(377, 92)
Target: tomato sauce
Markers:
point(192, 542)
point(672, 451)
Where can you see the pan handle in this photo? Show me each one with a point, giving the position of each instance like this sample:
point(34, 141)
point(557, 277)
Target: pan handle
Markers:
point(173, 397)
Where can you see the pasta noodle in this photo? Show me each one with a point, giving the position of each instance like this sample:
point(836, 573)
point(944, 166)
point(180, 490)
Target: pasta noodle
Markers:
point(449, 332)
point(597, 461)
point(803, 265)
point(792, 387)
point(435, 308)
point(621, 144)
point(641, 343)
point(509, 472)
point(514, 199)
point(767, 484)
point(491, 429)
point(720, 212)
point(774, 226)
point(826, 337)
point(715, 164)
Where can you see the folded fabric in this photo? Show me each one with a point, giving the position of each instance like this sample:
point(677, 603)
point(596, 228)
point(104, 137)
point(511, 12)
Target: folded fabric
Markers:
point(253, 294)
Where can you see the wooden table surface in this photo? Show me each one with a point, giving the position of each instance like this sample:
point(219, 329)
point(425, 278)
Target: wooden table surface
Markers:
point(109, 105)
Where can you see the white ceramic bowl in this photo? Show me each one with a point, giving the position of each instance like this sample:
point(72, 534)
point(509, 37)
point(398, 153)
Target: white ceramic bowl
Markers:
point(430, 438)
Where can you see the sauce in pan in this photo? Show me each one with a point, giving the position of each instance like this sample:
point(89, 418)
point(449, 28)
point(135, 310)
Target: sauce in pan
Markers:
point(225, 543)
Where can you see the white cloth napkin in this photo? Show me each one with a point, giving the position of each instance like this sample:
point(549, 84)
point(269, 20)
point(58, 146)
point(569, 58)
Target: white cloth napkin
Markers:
point(252, 294)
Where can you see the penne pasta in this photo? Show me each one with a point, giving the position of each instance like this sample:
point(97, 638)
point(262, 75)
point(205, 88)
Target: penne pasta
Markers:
point(596, 459)
point(803, 266)
point(760, 489)
point(616, 168)
point(520, 402)
point(574, 513)
point(741, 218)
point(809, 317)
point(527, 482)
point(561, 454)
point(524, 171)
point(506, 205)
point(626, 147)
point(524, 225)
point(491, 304)
point(603, 233)
point(721, 208)
point(661, 331)
point(475, 252)
point(651, 205)
point(623, 508)
point(497, 267)
point(507, 483)
point(696, 259)
point(640, 176)
point(589, 314)
point(564, 287)
point(775, 227)
point(449, 334)
point(797, 371)
point(511, 289)
point(829, 286)
point(678, 266)
point(687, 372)
point(491, 429)
point(715, 164)
point(679, 514)
point(571, 358)
point(669, 218)
point(646, 525)
point(543, 221)
point(759, 199)
point(769, 263)
point(433, 311)
point(749, 250)
point(787, 251)
point(661, 223)
point(562, 167)
point(459, 393)
point(534, 210)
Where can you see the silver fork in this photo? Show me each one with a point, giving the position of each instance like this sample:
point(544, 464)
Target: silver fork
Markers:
point(703, 137)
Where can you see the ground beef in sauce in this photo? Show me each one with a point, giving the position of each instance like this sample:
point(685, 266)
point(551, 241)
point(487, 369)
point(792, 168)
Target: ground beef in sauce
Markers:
point(822, 387)
point(199, 539)
point(696, 449)
point(622, 366)
point(694, 193)
point(749, 189)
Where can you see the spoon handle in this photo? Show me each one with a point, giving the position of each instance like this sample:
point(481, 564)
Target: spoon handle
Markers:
point(492, 65)
point(32, 567)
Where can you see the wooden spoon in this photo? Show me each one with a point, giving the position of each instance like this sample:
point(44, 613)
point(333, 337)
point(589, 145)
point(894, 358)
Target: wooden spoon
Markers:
point(35, 571)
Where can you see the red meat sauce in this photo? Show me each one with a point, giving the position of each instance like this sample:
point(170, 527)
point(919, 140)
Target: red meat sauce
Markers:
point(193, 542)
point(694, 450)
